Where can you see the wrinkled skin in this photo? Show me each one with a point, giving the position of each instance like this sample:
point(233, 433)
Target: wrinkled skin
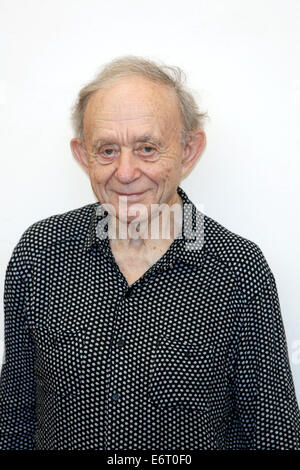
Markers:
point(119, 115)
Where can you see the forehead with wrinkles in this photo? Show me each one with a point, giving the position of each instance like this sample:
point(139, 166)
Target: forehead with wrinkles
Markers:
point(132, 105)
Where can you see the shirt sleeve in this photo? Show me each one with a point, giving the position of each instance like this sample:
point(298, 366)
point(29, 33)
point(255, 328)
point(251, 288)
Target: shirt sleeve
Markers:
point(17, 381)
point(265, 413)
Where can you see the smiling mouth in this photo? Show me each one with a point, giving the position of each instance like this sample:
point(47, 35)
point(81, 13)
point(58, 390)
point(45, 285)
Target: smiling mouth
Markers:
point(130, 195)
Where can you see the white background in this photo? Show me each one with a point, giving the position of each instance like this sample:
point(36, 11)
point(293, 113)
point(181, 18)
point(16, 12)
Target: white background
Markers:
point(242, 58)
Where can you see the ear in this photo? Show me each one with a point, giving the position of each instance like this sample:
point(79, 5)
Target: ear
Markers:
point(193, 148)
point(79, 152)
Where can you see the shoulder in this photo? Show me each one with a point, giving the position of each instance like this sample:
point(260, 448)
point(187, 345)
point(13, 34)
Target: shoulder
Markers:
point(69, 226)
point(239, 255)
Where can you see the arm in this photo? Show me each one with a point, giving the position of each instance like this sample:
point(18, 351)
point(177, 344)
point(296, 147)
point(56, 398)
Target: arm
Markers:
point(265, 412)
point(17, 384)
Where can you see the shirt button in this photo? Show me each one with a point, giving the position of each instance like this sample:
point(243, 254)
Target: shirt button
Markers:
point(115, 396)
point(121, 343)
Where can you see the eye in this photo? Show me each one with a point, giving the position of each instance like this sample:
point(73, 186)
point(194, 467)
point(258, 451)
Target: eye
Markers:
point(148, 148)
point(108, 152)
point(148, 153)
point(106, 155)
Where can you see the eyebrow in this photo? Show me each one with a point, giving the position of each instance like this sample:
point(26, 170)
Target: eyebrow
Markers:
point(143, 138)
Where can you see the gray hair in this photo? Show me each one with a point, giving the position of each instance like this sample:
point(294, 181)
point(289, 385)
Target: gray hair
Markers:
point(124, 66)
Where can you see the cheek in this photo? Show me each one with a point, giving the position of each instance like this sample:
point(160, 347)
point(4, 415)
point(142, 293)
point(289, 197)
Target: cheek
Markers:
point(99, 174)
point(164, 171)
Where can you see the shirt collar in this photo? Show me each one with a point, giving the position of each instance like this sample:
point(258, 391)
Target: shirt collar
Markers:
point(188, 247)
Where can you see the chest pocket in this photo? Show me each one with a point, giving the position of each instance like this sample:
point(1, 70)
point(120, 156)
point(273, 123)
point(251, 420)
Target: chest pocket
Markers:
point(181, 374)
point(59, 359)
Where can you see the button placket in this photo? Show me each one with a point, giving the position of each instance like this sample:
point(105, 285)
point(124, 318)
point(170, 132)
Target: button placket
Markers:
point(120, 343)
point(128, 292)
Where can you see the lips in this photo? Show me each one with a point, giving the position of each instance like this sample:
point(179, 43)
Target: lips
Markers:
point(130, 195)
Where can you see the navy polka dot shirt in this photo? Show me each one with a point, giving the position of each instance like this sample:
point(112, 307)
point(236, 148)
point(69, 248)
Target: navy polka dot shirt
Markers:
point(192, 355)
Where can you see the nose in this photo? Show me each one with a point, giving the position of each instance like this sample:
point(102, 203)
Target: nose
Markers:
point(128, 168)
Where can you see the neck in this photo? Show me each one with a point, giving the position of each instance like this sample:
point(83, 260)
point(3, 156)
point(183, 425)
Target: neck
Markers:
point(156, 232)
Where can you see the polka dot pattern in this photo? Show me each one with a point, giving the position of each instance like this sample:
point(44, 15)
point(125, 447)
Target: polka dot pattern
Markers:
point(193, 355)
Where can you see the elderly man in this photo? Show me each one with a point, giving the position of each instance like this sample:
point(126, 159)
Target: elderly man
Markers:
point(118, 339)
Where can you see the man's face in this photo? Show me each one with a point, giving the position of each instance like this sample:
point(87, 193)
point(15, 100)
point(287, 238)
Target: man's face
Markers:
point(132, 142)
